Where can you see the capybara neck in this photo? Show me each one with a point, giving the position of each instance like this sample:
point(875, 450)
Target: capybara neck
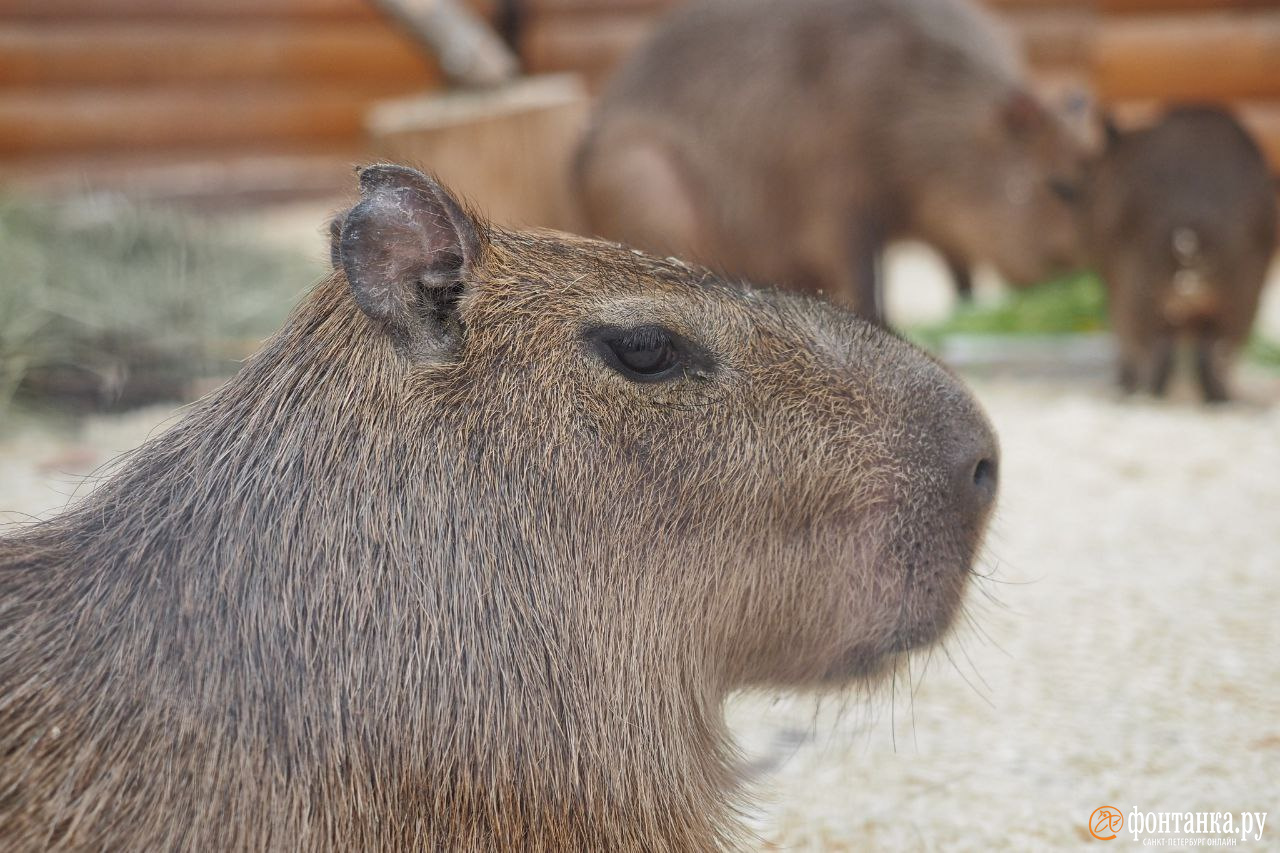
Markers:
point(388, 603)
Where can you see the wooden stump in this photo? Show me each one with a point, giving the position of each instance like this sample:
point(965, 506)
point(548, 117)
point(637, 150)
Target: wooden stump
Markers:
point(506, 150)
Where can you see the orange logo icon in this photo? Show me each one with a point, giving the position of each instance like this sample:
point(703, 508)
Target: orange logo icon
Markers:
point(1105, 819)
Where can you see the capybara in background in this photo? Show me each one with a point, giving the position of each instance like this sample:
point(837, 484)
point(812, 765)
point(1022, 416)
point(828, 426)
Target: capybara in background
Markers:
point(788, 142)
point(1183, 225)
point(470, 554)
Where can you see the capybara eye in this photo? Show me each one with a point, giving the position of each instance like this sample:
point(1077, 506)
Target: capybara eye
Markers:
point(1066, 190)
point(643, 354)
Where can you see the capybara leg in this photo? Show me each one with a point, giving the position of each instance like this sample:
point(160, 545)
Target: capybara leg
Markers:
point(1211, 369)
point(1145, 364)
point(1127, 375)
point(961, 276)
point(864, 287)
point(1160, 366)
point(1133, 365)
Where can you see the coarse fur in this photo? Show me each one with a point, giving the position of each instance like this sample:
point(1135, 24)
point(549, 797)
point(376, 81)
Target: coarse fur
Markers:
point(429, 574)
point(1183, 227)
point(789, 142)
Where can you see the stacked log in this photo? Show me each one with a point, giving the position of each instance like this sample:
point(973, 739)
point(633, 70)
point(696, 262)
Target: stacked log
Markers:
point(112, 87)
point(233, 98)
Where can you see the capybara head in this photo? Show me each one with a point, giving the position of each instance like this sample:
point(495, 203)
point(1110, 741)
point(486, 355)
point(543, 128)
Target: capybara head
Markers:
point(808, 491)
point(1006, 188)
point(470, 555)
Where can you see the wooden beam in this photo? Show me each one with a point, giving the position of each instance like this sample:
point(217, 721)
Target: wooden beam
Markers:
point(1000, 5)
point(1122, 7)
point(129, 54)
point(119, 10)
point(537, 7)
point(1211, 55)
point(467, 50)
point(199, 175)
point(179, 10)
point(96, 120)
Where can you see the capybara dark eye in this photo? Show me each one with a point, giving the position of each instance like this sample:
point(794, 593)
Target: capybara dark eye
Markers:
point(1068, 191)
point(642, 354)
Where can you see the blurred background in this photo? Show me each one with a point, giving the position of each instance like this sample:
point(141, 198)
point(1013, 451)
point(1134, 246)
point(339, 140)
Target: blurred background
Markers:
point(167, 171)
point(154, 121)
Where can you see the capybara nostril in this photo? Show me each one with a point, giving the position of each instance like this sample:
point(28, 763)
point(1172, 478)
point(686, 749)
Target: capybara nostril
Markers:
point(984, 473)
point(985, 477)
point(975, 471)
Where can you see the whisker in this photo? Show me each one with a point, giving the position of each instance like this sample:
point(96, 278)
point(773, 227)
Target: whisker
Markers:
point(911, 701)
point(893, 721)
point(982, 632)
point(964, 651)
point(927, 661)
point(965, 678)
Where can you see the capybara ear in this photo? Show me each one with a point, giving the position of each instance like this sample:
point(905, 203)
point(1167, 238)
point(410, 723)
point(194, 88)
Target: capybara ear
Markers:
point(1022, 113)
point(406, 249)
point(1110, 130)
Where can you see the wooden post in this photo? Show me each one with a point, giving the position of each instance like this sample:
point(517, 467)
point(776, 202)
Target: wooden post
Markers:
point(507, 150)
point(470, 54)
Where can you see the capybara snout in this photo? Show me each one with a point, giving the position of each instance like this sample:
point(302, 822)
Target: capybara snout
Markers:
point(865, 472)
point(949, 458)
point(974, 458)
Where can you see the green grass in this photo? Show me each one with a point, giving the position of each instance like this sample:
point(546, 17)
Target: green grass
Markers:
point(1073, 305)
point(1264, 352)
point(102, 303)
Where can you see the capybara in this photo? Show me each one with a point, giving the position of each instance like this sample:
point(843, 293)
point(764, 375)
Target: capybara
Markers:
point(1183, 226)
point(788, 142)
point(470, 554)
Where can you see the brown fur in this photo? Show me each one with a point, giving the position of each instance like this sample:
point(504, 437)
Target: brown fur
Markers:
point(1183, 223)
point(467, 587)
point(788, 142)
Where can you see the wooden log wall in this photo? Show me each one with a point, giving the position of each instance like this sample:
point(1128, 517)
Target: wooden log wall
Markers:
point(262, 97)
point(234, 98)
point(1152, 52)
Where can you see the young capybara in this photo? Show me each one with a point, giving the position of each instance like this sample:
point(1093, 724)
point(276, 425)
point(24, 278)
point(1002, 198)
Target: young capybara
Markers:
point(1183, 225)
point(470, 554)
point(789, 142)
